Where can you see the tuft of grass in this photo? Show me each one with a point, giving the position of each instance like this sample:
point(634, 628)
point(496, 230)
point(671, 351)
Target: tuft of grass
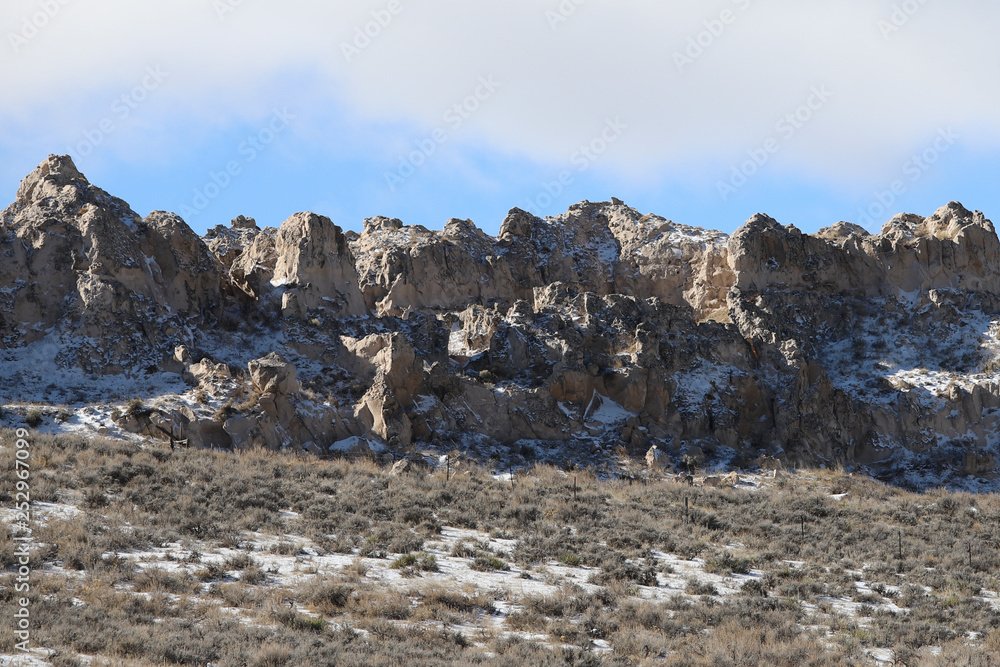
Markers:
point(488, 563)
point(571, 559)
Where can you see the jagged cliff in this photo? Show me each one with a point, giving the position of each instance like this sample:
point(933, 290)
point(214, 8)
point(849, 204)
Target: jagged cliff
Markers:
point(585, 336)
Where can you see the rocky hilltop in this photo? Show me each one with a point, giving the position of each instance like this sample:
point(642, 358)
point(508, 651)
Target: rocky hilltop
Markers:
point(590, 337)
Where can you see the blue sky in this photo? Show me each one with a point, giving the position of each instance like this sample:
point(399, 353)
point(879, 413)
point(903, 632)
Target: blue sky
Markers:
point(703, 112)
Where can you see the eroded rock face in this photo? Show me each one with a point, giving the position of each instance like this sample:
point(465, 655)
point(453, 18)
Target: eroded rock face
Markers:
point(315, 268)
point(601, 248)
point(880, 336)
point(228, 243)
point(273, 375)
point(574, 337)
point(80, 265)
point(405, 268)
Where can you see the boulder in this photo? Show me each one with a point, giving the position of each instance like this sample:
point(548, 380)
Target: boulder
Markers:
point(656, 460)
point(315, 268)
point(273, 375)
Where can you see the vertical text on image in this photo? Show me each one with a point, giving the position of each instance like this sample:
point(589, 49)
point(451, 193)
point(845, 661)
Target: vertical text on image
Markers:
point(22, 539)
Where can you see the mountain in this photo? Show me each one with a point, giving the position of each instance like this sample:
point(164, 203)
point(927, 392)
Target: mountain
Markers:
point(585, 338)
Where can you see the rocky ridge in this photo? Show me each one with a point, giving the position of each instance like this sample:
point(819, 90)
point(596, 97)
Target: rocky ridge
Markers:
point(584, 337)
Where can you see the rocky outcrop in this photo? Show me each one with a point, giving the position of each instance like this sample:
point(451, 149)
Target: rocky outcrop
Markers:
point(253, 268)
point(602, 248)
point(315, 268)
point(273, 375)
point(116, 290)
point(577, 337)
point(404, 268)
point(228, 243)
point(880, 335)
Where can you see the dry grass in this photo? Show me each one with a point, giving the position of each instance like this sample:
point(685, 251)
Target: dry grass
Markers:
point(134, 499)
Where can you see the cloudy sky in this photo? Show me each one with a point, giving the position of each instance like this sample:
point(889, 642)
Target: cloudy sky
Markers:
point(703, 111)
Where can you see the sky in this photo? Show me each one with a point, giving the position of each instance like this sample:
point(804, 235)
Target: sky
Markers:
point(705, 112)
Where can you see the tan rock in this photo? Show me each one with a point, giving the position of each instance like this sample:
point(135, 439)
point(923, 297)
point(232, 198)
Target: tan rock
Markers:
point(208, 371)
point(253, 268)
point(228, 243)
point(979, 463)
point(315, 264)
point(272, 374)
point(657, 460)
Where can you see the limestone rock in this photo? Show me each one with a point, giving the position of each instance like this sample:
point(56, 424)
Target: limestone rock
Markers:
point(208, 371)
point(273, 375)
point(315, 268)
point(657, 460)
point(188, 274)
point(117, 290)
point(253, 268)
point(411, 267)
point(228, 243)
point(598, 328)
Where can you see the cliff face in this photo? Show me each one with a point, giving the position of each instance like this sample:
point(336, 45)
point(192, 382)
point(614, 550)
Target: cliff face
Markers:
point(582, 336)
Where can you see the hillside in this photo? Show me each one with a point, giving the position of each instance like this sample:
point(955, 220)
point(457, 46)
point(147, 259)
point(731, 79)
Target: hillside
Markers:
point(145, 556)
point(586, 338)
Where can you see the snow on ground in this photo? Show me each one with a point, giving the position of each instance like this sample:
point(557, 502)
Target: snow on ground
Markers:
point(32, 374)
point(696, 384)
point(603, 410)
point(36, 658)
point(41, 512)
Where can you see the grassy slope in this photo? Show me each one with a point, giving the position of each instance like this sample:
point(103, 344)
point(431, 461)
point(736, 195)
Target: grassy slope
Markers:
point(189, 557)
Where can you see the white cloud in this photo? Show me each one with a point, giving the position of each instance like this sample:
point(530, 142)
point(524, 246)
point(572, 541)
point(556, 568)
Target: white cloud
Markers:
point(558, 85)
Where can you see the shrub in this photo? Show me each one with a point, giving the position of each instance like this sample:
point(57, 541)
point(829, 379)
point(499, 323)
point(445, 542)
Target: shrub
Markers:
point(695, 587)
point(487, 563)
point(136, 408)
point(420, 561)
point(34, 418)
point(571, 559)
point(211, 572)
point(726, 564)
point(754, 588)
point(225, 411)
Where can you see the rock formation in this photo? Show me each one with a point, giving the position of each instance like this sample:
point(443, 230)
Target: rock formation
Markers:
point(570, 338)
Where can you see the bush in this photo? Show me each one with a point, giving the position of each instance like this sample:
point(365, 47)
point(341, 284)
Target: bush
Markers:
point(726, 564)
point(695, 587)
point(421, 561)
point(486, 563)
point(136, 408)
point(34, 418)
point(754, 588)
